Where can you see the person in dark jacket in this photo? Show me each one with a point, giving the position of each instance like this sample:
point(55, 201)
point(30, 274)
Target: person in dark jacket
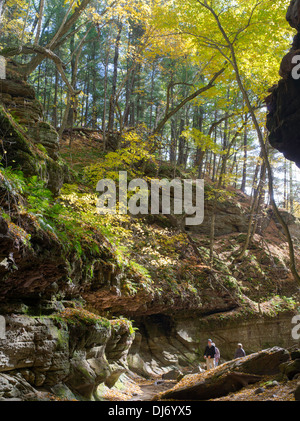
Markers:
point(239, 353)
point(209, 355)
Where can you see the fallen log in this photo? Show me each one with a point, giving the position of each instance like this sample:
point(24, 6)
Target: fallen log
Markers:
point(212, 388)
point(229, 377)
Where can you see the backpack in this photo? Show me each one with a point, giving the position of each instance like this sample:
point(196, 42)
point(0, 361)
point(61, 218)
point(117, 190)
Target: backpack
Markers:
point(217, 354)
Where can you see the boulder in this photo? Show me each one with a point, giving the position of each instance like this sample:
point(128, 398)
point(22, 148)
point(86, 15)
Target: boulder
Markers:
point(172, 375)
point(295, 354)
point(291, 368)
point(229, 218)
point(259, 391)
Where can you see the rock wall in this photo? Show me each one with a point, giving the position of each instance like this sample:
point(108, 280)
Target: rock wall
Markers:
point(28, 142)
point(41, 355)
point(230, 217)
point(284, 100)
point(163, 344)
point(20, 101)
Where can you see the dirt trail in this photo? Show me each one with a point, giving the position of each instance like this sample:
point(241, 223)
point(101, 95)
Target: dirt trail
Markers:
point(149, 390)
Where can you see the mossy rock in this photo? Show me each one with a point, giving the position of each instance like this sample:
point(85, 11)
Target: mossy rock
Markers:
point(15, 86)
point(291, 368)
point(21, 153)
point(295, 355)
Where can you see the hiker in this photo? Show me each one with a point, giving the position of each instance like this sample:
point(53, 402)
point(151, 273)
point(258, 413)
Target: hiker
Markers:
point(209, 355)
point(239, 353)
point(217, 355)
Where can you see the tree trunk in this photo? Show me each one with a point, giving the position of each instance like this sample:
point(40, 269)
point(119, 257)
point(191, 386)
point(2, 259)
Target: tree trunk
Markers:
point(55, 101)
point(244, 176)
point(94, 87)
point(181, 144)
point(291, 192)
point(112, 108)
point(2, 5)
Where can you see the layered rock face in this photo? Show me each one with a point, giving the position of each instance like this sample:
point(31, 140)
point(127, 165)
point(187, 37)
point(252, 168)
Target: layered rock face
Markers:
point(229, 217)
point(20, 101)
point(163, 344)
point(284, 102)
point(293, 14)
point(43, 354)
point(28, 142)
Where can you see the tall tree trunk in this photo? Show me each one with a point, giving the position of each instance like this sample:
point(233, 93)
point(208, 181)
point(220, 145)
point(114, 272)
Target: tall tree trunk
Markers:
point(291, 192)
point(55, 101)
point(2, 5)
point(45, 85)
point(200, 152)
point(173, 140)
point(139, 100)
point(151, 96)
point(107, 53)
point(181, 144)
point(40, 19)
point(70, 120)
point(245, 147)
point(94, 87)
point(87, 103)
point(285, 188)
point(254, 207)
point(112, 107)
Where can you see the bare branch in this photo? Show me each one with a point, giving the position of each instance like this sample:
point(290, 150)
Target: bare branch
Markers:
point(44, 52)
point(198, 92)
